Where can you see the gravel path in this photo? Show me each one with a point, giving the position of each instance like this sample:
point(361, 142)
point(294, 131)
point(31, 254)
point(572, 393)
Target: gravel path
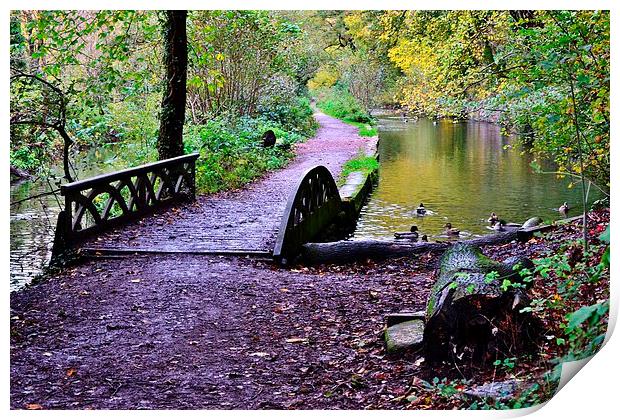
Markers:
point(191, 331)
point(197, 332)
point(247, 219)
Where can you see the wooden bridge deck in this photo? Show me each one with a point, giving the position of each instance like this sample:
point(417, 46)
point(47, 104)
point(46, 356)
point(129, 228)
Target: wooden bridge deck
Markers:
point(246, 220)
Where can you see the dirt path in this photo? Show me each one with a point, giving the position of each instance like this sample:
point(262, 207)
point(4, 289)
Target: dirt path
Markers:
point(187, 331)
point(192, 332)
point(247, 219)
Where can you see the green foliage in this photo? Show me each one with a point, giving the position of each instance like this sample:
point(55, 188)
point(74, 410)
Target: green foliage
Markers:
point(365, 130)
point(507, 363)
point(237, 59)
point(231, 153)
point(340, 104)
point(292, 113)
point(566, 55)
point(585, 330)
point(94, 58)
point(361, 163)
point(108, 64)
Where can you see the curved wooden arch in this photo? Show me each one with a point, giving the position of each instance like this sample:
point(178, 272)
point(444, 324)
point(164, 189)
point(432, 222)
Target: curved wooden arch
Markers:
point(311, 207)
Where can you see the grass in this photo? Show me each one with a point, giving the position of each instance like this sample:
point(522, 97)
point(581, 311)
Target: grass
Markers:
point(365, 129)
point(361, 163)
point(342, 105)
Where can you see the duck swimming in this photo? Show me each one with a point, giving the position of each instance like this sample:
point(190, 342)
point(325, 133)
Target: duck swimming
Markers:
point(499, 226)
point(493, 219)
point(412, 234)
point(420, 211)
point(449, 230)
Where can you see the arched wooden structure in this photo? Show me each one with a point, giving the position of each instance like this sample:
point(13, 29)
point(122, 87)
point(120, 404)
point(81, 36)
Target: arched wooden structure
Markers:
point(311, 207)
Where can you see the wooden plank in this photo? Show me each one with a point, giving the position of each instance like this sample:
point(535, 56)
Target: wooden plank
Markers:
point(291, 237)
point(90, 251)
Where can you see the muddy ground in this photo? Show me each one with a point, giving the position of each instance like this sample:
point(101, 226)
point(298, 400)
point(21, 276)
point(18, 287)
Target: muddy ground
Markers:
point(198, 332)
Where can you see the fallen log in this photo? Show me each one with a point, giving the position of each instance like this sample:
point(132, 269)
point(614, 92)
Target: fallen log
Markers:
point(353, 251)
point(475, 317)
point(361, 250)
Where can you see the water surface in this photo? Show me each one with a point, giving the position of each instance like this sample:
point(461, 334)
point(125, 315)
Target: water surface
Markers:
point(461, 172)
point(33, 221)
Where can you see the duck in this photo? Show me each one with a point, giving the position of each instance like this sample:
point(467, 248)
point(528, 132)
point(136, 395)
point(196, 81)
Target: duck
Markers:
point(493, 219)
point(420, 211)
point(564, 208)
point(412, 234)
point(450, 230)
point(499, 225)
point(424, 238)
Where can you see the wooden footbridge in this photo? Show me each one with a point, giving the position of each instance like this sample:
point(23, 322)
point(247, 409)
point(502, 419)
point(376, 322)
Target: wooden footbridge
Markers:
point(153, 208)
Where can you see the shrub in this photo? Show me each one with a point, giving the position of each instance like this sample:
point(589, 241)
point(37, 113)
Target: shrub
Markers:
point(231, 152)
point(340, 104)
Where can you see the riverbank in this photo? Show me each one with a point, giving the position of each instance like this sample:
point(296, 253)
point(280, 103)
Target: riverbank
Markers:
point(221, 333)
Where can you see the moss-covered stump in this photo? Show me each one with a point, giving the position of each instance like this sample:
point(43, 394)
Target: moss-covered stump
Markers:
point(474, 316)
point(404, 336)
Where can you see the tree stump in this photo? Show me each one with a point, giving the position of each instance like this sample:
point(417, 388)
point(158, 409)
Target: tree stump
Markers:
point(470, 317)
point(269, 138)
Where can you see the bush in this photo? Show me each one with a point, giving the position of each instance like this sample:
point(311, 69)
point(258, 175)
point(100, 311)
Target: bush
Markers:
point(339, 103)
point(291, 112)
point(231, 152)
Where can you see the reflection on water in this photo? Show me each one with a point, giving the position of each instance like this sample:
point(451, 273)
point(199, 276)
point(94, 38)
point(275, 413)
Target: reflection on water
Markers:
point(32, 231)
point(461, 172)
point(33, 221)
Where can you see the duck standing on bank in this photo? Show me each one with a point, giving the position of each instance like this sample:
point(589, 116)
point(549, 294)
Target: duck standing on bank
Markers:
point(564, 208)
point(412, 234)
point(421, 210)
point(449, 230)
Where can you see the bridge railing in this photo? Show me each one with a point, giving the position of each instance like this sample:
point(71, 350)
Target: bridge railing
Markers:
point(105, 201)
point(311, 207)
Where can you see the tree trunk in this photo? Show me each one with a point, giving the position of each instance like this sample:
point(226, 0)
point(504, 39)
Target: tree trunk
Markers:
point(472, 318)
point(67, 142)
point(343, 252)
point(170, 142)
